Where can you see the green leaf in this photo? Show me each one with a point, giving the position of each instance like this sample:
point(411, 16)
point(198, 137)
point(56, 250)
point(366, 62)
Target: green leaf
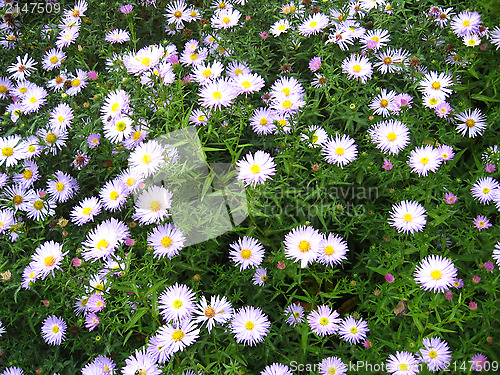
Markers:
point(484, 98)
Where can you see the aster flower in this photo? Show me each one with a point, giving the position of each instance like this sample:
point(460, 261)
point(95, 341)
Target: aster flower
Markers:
point(86, 211)
point(218, 93)
point(374, 39)
point(352, 330)
point(471, 123)
point(340, 151)
point(314, 24)
point(178, 335)
point(436, 85)
point(6, 220)
point(424, 159)
point(466, 23)
point(53, 330)
point(219, 311)
point(91, 321)
point(276, 369)
point(324, 321)
point(53, 59)
point(318, 136)
point(116, 103)
point(482, 222)
point(450, 198)
point(176, 302)
point(256, 169)
point(332, 250)
point(53, 140)
point(247, 83)
point(11, 150)
point(246, 252)
point(260, 276)
point(117, 36)
point(40, 208)
point(60, 117)
point(250, 325)
point(485, 189)
point(96, 303)
point(176, 13)
point(494, 37)
point(391, 61)
point(13, 371)
point(383, 103)
point(158, 349)
point(408, 216)
point(152, 205)
point(435, 273)
point(113, 194)
point(436, 353)
point(47, 258)
point(294, 314)
point(23, 67)
point(140, 362)
point(34, 99)
point(357, 67)
point(225, 18)
point(403, 363)
point(62, 187)
point(262, 121)
point(478, 362)
point(78, 82)
point(29, 276)
point(103, 240)
point(390, 136)
point(279, 27)
point(332, 365)
point(147, 158)
point(303, 244)
point(167, 240)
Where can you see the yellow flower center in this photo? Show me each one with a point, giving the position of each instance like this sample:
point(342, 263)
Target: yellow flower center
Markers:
point(226, 20)
point(424, 160)
point(255, 169)
point(329, 250)
point(472, 42)
point(286, 91)
point(177, 304)
point(146, 61)
point(136, 135)
point(115, 107)
point(304, 246)
point(114, 195)
point(17, 199)
point(38, 205)
point(27, 174)
point(166, 241)
point(7, 151)
point(177, 14)
point(466, 23)
point(146, 159)
point(33, 100)
point(177, 335)
point(237, 72)
point(155, 206)
point(246, 254)
point(375, 38)
point(76, 82)
point(54, 59)
point(339, 151)
point(407, 218)
point(354, 330)
point(193, 56)
point(436, 85)
point(87, 210)
point(433, 101)
point(22, 90)
point(281, 27)
point(357, 68)
point(55, 329)
point(287, 104)
point(391, 136)
point(59, 186)
point(209, 312)
point(120, 126)
point(486, 190)
point(403, 367)
point(263, 121)
point(387, 61)
point(217, 95)
point(3, 89)
point(323, 321)
point(384, 103)
point(246, 84)
point(50, 138)
point(313, 24)
point(102, 244)
point(470, 123)
point(49, 261)
point(433, 354)
point(249, 326)
point(436, 274)
point(332, 370)
point(207, 73)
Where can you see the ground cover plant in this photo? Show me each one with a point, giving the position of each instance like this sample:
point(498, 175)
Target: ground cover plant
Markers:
point(247, 187)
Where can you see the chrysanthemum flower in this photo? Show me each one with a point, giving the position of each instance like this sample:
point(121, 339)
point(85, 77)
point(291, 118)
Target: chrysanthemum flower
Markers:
point(53, 330)
point(218, 311)
point(167, 240)
point(485, 189)
point(225, 18)
point(294, 314)
point(403, 363)
point(324, 321)
point(47, 258)
point(332, 250)
point(408, 216)
point(436, 85)
point(332, 365)
point(340, 151)
point(436, 353)
point(435, 273)
point(276, 369)
point(85, 211)
point(357, 67)
point(103, 240)
point(91, 321)
point(141, 363)
point(424, 159)
point(390, 136)
point(117, 36)
point(303, 244)
point(353, 331)
point(313, 24)
point(260, 276)
point(470, 122)
point(279, 27)
point(113, 194)
point(96, 303)
point(374, 39)
point(256, 169)
point(481, 222)
point(247, 252)
point(60, 117)
point(478, 362)
point(176, 302)
point(250, 325)
point(11, 150)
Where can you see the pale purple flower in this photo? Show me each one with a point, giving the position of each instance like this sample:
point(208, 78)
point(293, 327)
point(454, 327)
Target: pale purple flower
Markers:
point(91, 321)
point(93, 140)
point(449, 295)
point(315, 63)
point(387, 165)
point(126, 9)
point(481, 222)
point(389, 278)
point(490, 168)
point(450, 198)
point(92, 75)
point(458, 283)
point(489, 266)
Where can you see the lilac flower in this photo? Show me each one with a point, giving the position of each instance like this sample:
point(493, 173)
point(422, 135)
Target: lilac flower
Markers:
point(450, 198)
point(490, 168)
point(489, 266)
point(387, 165)
point(91, 321)
point(389, 278)
point(458, 283)
point(93, 140)
point(126, 9)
